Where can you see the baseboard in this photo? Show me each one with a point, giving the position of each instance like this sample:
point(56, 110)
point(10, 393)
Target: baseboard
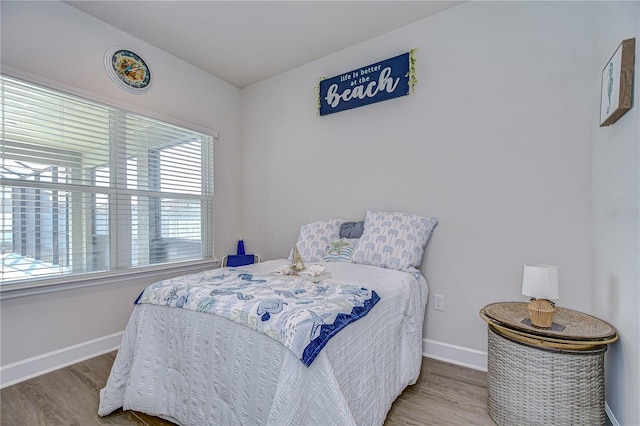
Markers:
point(17, 372)
point(612, 418)
point(453, 354)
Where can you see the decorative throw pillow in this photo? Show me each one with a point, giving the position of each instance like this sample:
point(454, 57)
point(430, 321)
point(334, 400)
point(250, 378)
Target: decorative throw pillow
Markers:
point(341, 250)
point(351, 229)
point(314, 238)
point(393, 240)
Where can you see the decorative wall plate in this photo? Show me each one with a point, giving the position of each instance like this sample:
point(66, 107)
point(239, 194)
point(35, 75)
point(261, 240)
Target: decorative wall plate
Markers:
point(127, 70)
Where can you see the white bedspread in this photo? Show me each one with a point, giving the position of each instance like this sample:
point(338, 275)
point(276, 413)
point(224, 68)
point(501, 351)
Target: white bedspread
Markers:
point(195, 368)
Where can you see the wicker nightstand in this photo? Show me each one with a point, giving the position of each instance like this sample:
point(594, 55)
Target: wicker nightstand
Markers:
point(545, 376)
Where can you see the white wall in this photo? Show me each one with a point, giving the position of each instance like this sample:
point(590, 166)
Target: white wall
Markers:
point(616, 222)
point(54, 44)
point(495, 144)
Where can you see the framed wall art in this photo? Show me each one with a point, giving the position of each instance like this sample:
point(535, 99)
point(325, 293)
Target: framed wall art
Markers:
point(617, 83)
point(384, 80)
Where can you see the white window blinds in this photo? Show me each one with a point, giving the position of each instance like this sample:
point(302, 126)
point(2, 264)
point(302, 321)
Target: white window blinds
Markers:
point(88, 187)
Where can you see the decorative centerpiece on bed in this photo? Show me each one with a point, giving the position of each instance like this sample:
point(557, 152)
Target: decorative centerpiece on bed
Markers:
point(296, 262)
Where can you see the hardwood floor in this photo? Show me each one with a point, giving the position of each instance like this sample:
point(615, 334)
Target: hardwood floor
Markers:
point(445, 394)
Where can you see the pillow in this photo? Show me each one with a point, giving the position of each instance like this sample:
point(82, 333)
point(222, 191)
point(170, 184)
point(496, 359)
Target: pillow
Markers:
point(341, 250)
point(314, 238)
point(351, 229)
point(393, 240)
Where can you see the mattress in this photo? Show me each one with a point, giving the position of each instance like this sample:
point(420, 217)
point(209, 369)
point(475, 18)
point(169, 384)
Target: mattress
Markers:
point(194, 368)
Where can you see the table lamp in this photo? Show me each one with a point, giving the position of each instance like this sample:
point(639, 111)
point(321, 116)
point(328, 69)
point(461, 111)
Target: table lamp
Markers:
point(540, 283)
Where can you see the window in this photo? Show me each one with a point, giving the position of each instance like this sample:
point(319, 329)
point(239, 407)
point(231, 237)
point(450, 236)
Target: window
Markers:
point(91, 188)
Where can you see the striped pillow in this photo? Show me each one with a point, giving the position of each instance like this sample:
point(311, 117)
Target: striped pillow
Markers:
point(341, 250)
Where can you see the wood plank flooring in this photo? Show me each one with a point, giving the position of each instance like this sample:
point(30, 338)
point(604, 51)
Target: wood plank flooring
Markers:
point(445, 394)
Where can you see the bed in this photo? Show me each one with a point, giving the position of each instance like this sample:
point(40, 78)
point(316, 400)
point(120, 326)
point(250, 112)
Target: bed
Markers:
point(197, 368)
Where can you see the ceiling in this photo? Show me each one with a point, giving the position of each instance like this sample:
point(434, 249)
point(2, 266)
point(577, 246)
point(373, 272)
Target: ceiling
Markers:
point(243, 42)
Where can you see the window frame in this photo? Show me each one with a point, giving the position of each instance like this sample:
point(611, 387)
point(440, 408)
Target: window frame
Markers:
point(39, 285)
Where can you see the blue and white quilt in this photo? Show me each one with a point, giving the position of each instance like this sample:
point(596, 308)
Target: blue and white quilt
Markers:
point(300, 314)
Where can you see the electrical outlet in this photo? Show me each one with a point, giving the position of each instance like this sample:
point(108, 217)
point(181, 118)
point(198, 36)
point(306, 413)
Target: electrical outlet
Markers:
point(438, 302)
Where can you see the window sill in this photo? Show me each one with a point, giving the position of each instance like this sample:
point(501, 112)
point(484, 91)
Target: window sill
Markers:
point(11, 291)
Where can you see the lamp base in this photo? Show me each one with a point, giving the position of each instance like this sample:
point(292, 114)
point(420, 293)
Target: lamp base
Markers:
point(541, 312)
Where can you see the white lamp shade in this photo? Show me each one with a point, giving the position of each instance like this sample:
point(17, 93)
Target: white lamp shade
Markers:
point(540, 281)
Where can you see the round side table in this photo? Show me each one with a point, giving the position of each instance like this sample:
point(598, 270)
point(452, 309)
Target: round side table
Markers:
point(549, 376)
